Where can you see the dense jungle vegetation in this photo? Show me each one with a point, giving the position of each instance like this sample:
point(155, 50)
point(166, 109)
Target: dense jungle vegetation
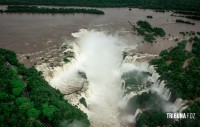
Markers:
point(151, 4)
point(154, 118)
point(145, 29)
point(35, 9)
point(193, 107)
point(153, 114)
point(26, 99)
point(181, 69)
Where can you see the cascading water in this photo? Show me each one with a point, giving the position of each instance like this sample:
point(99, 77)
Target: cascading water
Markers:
point(101, 60)
point(99, 56)
point(159, 88)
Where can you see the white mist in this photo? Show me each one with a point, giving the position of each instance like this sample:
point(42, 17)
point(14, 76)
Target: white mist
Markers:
point(100, 58)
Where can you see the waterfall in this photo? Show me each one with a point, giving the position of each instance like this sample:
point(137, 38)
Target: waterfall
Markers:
point(180, 104)
point(131, 119)
point(99, 56)
point(160, 88)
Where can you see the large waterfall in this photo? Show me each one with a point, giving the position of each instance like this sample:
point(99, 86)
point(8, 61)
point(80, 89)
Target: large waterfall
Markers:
point(99, 56)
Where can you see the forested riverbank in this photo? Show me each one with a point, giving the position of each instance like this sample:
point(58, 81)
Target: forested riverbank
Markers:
point(150, 4)
point(26, 99)
point(179, 69)
point(35, 9)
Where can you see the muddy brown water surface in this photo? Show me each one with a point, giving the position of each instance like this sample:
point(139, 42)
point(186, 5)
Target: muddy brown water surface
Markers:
point(27, 33)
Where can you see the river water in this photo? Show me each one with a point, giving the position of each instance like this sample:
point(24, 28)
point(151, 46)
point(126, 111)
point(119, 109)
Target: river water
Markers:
point(29, 33)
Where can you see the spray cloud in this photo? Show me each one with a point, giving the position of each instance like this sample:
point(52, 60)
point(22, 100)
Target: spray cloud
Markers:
point(100, 57)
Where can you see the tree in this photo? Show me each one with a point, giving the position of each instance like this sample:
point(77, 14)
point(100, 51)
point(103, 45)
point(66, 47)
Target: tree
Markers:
point(34, 113)
point(48, 110)
point(159, 31)
point(149, 38)
point(17, 91)
point(39, 100)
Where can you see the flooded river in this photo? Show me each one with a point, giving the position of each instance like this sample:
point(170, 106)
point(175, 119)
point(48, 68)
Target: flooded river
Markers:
point(29, 33)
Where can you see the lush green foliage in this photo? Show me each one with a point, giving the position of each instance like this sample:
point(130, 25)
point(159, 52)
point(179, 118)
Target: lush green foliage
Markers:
point(26, 99)
point(152, 118)
point(154, 115)
point(182, 80)
point(193, 107)
point(149, 38)
point(152, 4)
point(35, 9)
point(196, 47)
point(145, 29)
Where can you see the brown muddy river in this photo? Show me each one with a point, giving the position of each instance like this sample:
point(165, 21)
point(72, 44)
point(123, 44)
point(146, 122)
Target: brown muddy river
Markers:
point(29, 33)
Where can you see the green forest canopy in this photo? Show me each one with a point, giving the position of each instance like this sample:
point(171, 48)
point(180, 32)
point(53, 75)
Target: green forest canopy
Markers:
point(26, 99)
point(151, 4)
point(182, 80)
point(35, 9)
point(155, 118)
point(145, 29)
